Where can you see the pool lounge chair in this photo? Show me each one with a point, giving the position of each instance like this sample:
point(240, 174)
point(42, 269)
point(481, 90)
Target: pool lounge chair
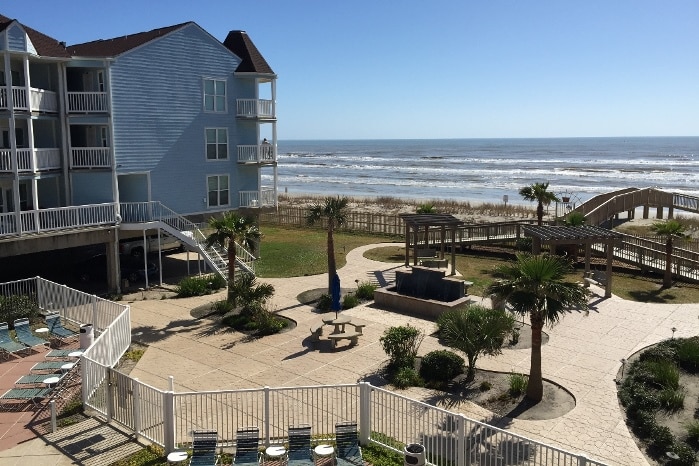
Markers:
point(300, 453)
point(50, 366)
point(56, 328)
point(347, 439)
point(18, 397)
point(38, 379)
point(204, 448)
point(7, 344)
point(246, 447)
point(25, 335)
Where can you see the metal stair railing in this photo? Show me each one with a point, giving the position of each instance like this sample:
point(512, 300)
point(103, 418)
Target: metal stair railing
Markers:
point(187, 232)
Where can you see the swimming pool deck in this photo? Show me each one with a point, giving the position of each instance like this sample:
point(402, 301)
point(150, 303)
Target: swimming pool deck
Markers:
point(583, 354)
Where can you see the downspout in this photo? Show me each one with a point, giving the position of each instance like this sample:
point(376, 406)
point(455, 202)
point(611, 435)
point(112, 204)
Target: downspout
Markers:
point(274, 141)
point(14, 165)
point(65, 128)
point(112, 142)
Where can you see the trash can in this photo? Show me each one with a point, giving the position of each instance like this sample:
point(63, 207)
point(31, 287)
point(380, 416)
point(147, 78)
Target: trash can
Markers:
point(414, 455)
point(87, 336)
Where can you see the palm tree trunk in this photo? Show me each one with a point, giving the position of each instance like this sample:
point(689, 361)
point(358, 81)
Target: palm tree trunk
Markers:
point(332, 267)
point(667, 279)
point(540, 213)
point(231, 269)
point(535, 386)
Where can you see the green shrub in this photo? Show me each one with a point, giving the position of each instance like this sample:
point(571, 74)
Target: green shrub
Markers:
point(658, 353)
point(365, 291)
point(349, 301)
point(17, 307)
point(644, 423)
point(662, 374)
point(687, 456)
point(518, 384)
point(222, 306)
point(641, 398)
point(441, 366)
point(671, 400)
point(661, 438)
point(485, 386)
point(378, 455)
point(523, 244)
point(401, 345)
point(688, 354)
point(198, 286)
point(406, 377)
point(325, 302)
point(693, 432)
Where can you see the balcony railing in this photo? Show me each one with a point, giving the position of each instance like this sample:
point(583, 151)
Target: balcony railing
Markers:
point(90, 157)
point(57, 218)
point(40, 100)
point(255, 108)
point(30, 162)
point(87, 102)
point(260, 153)
point(263, 198)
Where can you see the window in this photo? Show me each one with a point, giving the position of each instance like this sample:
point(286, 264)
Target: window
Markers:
point(103, 137)
point(100, 81)
point(216, 143)
point(217, 190)
point(214, 95)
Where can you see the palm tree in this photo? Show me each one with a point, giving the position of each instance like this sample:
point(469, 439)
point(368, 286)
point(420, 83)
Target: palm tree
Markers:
point(534, 285)
point(333, 209)
point(475, 330)
point(538, 192)
point(230, 229)
point(670, 229)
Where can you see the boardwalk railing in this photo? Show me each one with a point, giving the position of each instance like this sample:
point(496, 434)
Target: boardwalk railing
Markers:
point(166, 417)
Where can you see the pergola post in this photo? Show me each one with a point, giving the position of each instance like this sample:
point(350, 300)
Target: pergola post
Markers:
point(588, 256)
point(407, 244)
point(453, 251)
point(415, 246)
point(608, 273)
point(443, 236)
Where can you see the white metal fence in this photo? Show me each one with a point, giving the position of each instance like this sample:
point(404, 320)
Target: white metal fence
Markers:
point(167, 418)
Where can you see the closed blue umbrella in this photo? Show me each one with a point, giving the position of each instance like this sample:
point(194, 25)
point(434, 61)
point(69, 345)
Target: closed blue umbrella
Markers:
point(335, 294)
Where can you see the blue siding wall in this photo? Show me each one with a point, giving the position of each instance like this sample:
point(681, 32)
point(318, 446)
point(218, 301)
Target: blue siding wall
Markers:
point(159, 122)
point(92, 188)
point(17, 40)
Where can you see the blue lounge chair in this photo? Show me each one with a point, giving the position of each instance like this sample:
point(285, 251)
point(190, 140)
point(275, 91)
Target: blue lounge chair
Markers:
point(56, 328)
point(347, 440)
point(246, 447)
point(7, 344)
point(300, 453)
point(51, 366)
point(38, 379)
point(25, 335)
point(204, 448)
point(60, 354)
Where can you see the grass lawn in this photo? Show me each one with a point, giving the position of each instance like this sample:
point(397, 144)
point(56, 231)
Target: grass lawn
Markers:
point(295, 252)
point(627, 284)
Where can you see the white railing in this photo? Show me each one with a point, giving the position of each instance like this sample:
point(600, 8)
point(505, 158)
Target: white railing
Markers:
point(57, 218)
point(260, 153)
point(255, 108)
point(43, 100)
point(90, 157)
point(263, 198)
point(28, 161)
point(166, 418)
point(87, 102)
point(19, 98)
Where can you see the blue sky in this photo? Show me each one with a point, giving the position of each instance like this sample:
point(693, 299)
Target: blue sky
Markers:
point(366, 69)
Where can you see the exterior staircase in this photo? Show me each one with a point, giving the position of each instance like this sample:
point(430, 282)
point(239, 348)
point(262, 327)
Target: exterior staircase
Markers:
point(156, 215)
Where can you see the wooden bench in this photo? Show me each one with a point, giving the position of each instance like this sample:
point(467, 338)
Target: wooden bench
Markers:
point(353, 337)
point(432, 263)
point(425, 253)
point(596, 277)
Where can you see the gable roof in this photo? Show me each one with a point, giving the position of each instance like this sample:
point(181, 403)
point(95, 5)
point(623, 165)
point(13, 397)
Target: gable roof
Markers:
point(119, 45)
point(252, 60)
point(45, 46)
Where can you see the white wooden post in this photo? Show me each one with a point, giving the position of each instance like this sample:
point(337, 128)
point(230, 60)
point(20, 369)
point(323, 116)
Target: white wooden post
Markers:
point(364, 412)
point(136, 400)
point(267, 410)
point(461, 440)
point(168, 422)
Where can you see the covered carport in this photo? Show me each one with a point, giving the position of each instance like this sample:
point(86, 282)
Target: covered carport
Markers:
point(554, 236)
point(415, 223)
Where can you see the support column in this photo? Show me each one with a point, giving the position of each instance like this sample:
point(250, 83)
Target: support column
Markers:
point(443, 237)
point(536, 245)
point(646, 209)
point(453, 251)
point(588, 255)
point(416, 232)
point(608, 272)
point(659, 212)
point(407, 244)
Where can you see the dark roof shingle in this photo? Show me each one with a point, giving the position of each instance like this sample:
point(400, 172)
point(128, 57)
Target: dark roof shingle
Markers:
point(252, 60)
point(119, 45)
point(45, 46)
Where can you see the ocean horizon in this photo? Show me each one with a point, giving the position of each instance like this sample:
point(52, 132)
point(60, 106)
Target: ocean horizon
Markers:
point(486, 170)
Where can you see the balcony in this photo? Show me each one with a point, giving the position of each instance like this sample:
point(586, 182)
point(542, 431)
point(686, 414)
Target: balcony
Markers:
point(28, 161)
point(57, 219)
point(87, 102)
point(90, 157)
point(40, 100)
point(255, 108)
point(257, 154)
point(263, 198)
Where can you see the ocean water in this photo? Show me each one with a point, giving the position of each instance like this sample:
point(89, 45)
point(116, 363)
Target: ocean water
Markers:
point(485, 170)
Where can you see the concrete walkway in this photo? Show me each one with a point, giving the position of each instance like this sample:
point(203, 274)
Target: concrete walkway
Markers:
point(583, 355)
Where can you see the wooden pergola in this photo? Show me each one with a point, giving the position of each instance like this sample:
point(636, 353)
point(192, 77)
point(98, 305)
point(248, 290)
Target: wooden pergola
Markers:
point(584, 234)
point(416, 222)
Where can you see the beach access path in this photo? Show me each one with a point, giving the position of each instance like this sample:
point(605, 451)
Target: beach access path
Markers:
point(583, 355)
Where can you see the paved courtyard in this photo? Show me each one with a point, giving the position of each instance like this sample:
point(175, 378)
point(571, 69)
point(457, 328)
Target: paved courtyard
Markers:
point(583, 355)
